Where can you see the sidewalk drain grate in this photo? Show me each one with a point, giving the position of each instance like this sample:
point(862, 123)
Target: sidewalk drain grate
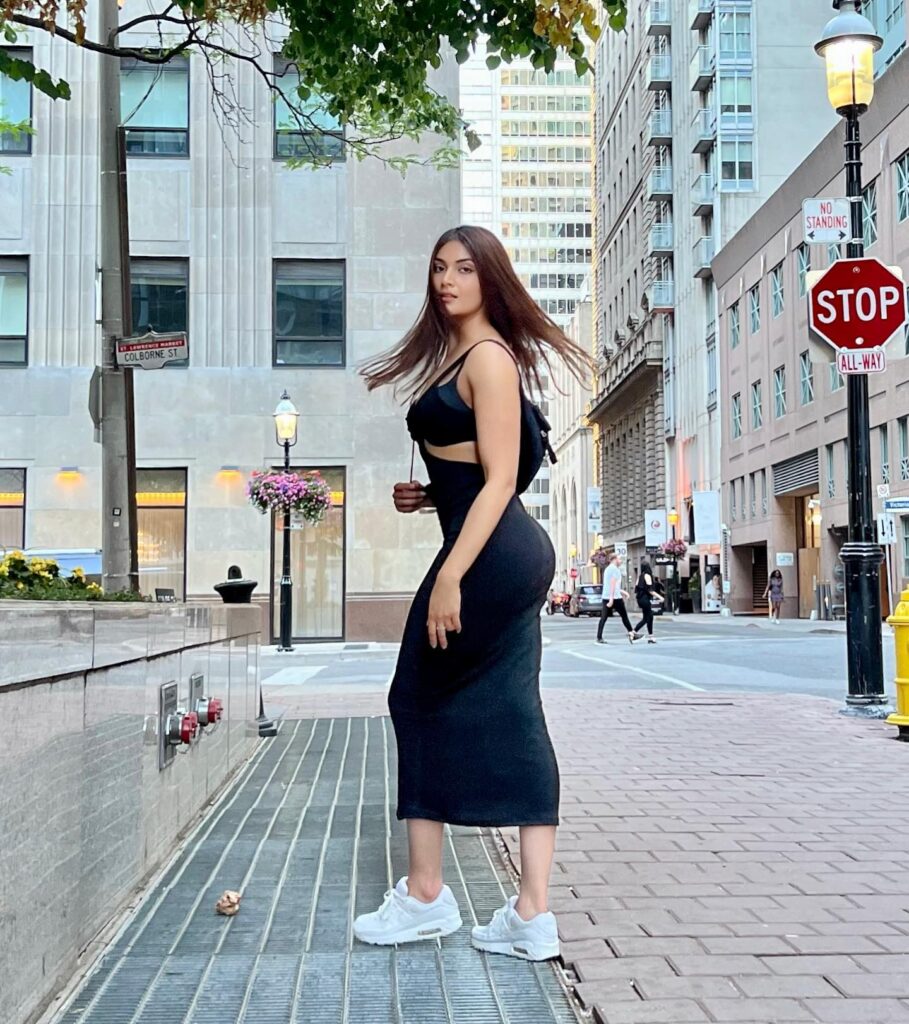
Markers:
point(309, 834)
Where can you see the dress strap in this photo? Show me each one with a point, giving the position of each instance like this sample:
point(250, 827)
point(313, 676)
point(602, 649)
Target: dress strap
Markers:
point(458, 364)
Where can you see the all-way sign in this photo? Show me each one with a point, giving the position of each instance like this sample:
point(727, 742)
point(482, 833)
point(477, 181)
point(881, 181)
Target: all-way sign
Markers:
point(826, 220)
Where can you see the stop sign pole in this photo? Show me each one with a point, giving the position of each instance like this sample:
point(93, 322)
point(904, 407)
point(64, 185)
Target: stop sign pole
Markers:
point(861, 555)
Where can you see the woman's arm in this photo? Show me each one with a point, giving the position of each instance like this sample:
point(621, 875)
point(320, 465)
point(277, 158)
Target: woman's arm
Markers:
point(492, 378)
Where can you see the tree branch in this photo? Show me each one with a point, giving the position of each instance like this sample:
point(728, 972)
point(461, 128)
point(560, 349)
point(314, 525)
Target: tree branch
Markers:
point(111, 51)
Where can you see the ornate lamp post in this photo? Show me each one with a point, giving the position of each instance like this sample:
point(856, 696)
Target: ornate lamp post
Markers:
point(848, 44)
point(286, 417)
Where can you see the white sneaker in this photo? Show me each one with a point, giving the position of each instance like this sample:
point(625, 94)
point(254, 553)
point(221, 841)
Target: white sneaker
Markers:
point(509, 933)
point(403, 918)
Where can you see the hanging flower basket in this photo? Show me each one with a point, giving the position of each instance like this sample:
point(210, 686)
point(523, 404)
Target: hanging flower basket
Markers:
point(600, 558)
point(677, 548)
point(305, 493)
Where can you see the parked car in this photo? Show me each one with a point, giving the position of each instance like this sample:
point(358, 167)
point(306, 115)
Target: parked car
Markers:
point(586, 600)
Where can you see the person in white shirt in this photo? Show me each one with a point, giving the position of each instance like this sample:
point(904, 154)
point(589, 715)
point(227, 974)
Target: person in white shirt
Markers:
point(614, 599)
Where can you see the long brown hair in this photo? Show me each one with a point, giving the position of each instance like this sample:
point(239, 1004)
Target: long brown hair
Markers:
point(531, 335)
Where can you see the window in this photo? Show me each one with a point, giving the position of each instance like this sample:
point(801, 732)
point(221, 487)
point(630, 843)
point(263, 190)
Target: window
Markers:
point(161, 534)
point(309, 313)
point(303, 128)
point(12, 508)
point(752, 494)
point(737, 415)
point(905, 521)
point(160, 297)
point(711, 376)
point(779, 391)
point(16, 109)
point(803, 256)
point(735, 35)
point(884, 438)
point(757, 406)
point(754, 308)
point(837, 381)
point(902, 187)
point(806, 376)
point(539, 512)
point(763, 492)
point(831, 472)
point(834, 252)
point(903, 431)
point(154, 106)
point(13, 311)
point(317, 556)
point(776, 291)
point(869, 214)
point(737, 164)
point(735, 326)
point(735, 99)
point(732, 505)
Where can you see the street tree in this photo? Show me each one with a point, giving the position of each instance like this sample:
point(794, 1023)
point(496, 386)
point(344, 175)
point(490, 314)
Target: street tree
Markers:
point(365, 65)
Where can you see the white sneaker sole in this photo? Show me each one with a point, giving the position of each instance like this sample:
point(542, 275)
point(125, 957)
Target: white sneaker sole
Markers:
point(521, 950)
point(436, 929)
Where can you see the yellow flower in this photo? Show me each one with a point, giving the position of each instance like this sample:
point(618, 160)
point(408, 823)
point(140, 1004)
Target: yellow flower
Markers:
point(20, 586)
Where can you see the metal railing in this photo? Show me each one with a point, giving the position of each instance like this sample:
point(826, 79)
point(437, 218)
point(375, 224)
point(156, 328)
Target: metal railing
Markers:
point(702, 191)
point(703, 67)
point(662, 294)
point(661, 236)
point(660, 67)
point(661, 180)
point(704, 251)
point(661, 123)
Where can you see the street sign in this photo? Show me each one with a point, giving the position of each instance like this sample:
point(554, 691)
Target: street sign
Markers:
point(874, 360)
point(826, 220)
point(883, 490)
point(665, 559)
point(784, 559)
point(857, 306)
point(897, 504)
point(886, 529)
point(621, 549)
point(152, 351)
point(573, 573)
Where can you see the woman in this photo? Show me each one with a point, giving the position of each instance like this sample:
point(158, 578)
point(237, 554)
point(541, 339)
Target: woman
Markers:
point(774, 589)
point(473, 747)
point(647, 595)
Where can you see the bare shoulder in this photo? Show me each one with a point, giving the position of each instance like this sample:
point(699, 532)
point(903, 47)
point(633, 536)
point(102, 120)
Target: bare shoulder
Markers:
point(491, 361)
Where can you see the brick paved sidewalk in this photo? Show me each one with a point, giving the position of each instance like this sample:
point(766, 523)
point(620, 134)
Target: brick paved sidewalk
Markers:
point(731, 858)
point(725, 858)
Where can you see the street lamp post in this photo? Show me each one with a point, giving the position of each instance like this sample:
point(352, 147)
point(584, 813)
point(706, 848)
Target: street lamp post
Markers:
point(286, 416)
point(848, 45)
point(673, 523)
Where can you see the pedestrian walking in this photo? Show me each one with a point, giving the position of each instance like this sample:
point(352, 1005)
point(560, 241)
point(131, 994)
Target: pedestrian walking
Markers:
point(647, 596)
point(614, 599)
point(473, 745)
point(774, 590)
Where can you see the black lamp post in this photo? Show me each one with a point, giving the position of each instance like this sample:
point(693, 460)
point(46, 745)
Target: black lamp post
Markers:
point(848, 45)
point(673, 523)
point(286, 416)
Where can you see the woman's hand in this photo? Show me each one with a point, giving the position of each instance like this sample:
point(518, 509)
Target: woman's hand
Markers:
point(409, 497)
point(444, 611)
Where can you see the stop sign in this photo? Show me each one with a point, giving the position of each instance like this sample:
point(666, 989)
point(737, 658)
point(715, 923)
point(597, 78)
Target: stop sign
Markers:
point(857, 305)
point(573, 573)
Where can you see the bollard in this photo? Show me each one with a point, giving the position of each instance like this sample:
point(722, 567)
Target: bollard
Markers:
point(899, 620)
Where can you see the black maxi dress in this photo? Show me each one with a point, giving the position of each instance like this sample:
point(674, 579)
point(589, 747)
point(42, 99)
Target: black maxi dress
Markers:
point(473, 747)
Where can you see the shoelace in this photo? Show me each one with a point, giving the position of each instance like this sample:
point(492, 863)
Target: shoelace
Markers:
point(387, 902)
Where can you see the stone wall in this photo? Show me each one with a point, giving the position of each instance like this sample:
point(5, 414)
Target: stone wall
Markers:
point(85, 813)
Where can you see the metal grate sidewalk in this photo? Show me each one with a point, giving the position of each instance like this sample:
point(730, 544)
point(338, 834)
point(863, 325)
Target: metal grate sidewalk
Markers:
point(309, 836)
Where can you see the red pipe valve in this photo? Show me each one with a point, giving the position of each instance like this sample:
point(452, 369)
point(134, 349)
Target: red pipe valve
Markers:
point(210, 710)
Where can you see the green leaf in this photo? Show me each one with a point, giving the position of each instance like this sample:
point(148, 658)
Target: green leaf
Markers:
point(493, 61)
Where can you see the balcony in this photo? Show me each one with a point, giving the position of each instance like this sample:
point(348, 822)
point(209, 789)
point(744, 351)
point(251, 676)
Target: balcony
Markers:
point(659, 184)
point(701, 13)
point(703, 68)
point(661, 296)
point(704, 251)
point(702, 195)
point(659, 72)
point(657, 18)
point(637, 366)
point(659, 127)
point(661, 238)
point(704, 130)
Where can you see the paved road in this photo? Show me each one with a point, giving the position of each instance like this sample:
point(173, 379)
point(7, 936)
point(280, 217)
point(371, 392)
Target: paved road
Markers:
point(702, 653)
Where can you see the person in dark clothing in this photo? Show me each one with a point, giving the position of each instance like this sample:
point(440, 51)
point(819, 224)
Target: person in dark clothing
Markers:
point(647, 595)
point(614, 599)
